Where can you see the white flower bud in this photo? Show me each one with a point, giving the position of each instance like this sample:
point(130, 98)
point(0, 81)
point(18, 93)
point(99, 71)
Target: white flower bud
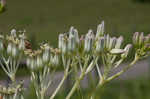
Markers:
point(100, 45)
point(71, 43)
point(107, 41)
point(13, 32)
point(14, 51)
point(89, 40)
point(55, 60)
point(117, 51)
point(32, 64)
point(136, 38)
point(141, 39)
point(46, 55)
point(64, 46)
point(61, 36)
point(21, 44)
point(62, 43)
point(126, 49)
point(100, 30)
point(28, 62)
point(1, 46)
point(76, 36)
point(112, 43)
point(119, 42)
point(9, 48)
point(39, 63)
point(74, 32)
point(71, 30)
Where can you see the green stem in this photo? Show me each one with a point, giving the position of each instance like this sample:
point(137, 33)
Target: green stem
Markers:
point(62, 81)
point(123, 70)
point(75, 86)
point(42, 95)
point(59, 86)
point(101, 83)
point(12, 77)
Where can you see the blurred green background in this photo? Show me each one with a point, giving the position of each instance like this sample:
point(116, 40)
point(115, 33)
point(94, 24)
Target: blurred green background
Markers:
point(45, 19)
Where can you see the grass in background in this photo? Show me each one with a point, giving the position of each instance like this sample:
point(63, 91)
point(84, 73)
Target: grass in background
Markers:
point(45, 19)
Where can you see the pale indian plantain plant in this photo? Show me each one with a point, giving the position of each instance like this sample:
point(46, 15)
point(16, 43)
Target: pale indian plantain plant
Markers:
point(42, 64)
point(109, 51)
point(11, 52)
point(77, 55)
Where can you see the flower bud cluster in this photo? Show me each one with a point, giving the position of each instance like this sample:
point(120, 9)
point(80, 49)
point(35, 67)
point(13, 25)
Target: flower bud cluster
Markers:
point(68, 42)
point(84, 51)
point(112, 45)
point(99, 43)
point(141, 43)
point(12, 44)
point(45, 56)
point(34, 59)
point(8, 90)
point(55, 57)
point(11, 89)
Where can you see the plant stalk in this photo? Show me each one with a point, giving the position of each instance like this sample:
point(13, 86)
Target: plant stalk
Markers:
point(101, 83)
point(59, 86)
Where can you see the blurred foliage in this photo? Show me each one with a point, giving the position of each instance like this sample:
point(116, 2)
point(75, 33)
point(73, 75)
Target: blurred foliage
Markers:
point(1, 8)
point(46, 19)
point(142, 1)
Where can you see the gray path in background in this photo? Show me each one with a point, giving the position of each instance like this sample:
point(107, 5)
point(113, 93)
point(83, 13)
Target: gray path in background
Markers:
point(140, 69)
